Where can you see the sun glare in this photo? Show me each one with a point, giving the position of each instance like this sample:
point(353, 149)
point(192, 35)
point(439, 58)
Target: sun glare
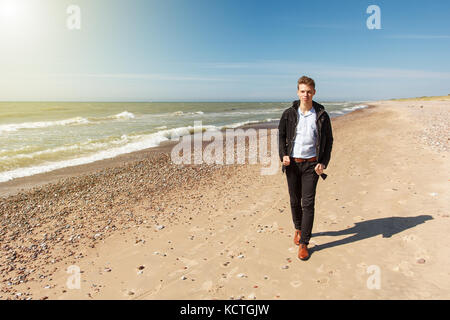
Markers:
point(14, 12)
point(8, 9)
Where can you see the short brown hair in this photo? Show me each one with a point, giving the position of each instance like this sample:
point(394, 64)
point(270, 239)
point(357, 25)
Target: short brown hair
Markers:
point(308, 81)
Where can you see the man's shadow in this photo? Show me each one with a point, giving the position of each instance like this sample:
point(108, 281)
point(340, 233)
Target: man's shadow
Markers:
point(371, 228)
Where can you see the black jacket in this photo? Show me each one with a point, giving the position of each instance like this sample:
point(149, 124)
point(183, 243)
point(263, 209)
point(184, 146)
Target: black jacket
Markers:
point(287, 132)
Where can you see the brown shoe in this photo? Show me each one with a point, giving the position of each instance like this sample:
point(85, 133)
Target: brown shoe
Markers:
point(303, 253)
point(297, 237)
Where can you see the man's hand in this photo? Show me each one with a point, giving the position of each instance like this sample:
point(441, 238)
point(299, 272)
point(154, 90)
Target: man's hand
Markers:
point(319, 168)
point(286, 160)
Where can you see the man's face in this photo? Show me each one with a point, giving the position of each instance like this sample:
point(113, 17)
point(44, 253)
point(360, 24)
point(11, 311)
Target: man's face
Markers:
point(305, 93)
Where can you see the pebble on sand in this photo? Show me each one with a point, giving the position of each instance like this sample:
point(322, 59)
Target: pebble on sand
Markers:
point(421, 261)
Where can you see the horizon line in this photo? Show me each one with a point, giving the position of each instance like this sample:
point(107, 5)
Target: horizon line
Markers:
point(181, 101)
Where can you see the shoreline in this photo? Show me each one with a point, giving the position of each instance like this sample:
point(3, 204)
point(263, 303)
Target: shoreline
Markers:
point(27, 183)
point(24, 184)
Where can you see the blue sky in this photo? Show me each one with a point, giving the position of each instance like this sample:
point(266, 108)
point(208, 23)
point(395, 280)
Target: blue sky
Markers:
point(219, 50)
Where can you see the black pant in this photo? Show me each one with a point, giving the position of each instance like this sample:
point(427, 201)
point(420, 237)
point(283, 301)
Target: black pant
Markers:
point(302, 181)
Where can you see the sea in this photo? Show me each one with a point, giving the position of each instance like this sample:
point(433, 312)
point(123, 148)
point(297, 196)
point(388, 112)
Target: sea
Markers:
point(37, 137)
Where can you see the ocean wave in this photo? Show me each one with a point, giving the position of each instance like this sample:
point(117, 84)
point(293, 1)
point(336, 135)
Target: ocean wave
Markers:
point(123, 115)
point(17, 114)
point(355, 108)
point(81, 147)
point(339, 103)
point(252, 112)
point(343, 111)
point(139, 142)
point(240, 124)
point(41, 124)
point(27, 148)
point(110, 148)
point(56, 108)
point(182, 113)
point(72, 121)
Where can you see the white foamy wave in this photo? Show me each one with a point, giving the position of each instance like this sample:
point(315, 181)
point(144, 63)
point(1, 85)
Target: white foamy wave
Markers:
point(183, 131)
point(79, 147)
point(355, 107)
point(42, 124)
point(250, 113)
point(123, 115)
point(181, 113)
point(240, 124)
point(72, 121)
point(342, 104)
point(138, 143)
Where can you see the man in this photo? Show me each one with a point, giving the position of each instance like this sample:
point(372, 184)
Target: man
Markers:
point(305, 142)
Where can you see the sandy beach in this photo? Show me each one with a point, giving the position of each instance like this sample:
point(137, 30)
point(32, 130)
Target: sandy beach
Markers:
point(140, 227)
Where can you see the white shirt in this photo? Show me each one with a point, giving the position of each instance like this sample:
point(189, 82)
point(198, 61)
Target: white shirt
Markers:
point(306, 137)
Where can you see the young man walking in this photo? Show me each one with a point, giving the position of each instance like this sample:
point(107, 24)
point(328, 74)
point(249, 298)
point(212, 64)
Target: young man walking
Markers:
point(305, 142)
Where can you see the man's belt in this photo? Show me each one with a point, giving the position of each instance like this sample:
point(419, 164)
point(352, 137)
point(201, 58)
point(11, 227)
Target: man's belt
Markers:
point(305, 160)
point(323, 175)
